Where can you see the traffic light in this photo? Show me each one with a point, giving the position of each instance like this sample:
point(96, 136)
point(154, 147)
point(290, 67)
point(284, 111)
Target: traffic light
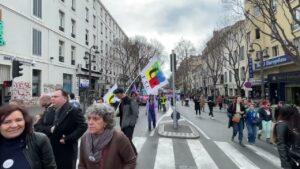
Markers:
point(16, 69)
point(7, 83)
point(2, 42)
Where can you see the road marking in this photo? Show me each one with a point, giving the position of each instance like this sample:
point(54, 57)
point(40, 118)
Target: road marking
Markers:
point(201, 131)
point(165, 155)
point(200, 155)
point(238, 158)
point(266, 155)
point(166, 114)
point(138, 143)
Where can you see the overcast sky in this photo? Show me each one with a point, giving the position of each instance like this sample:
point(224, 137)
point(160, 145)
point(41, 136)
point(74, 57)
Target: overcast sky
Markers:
point(168, 21)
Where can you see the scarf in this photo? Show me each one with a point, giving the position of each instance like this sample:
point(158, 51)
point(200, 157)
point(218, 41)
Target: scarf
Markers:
point(96, 143)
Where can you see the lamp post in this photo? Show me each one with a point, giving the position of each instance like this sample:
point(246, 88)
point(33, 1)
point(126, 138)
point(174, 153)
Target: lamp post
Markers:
point(261, 59)
point(173, 66)
point(88, 57)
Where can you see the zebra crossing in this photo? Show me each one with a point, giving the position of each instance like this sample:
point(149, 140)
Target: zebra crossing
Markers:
point(203, 157)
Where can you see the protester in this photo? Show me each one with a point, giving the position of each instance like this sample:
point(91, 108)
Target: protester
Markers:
point(21, 148)
point(286, 135)
point(276, 112)
point(197, 104)
point(129, 112)
point(46, 120)
point(265, 114)
point(102, 146)
point(252, 119)
point(163, 102)
point(69, 126)
point(211, 104)
point(220, 101)
point(202, 103)
point(236, 112)
point(73, 101)
point(151, 111)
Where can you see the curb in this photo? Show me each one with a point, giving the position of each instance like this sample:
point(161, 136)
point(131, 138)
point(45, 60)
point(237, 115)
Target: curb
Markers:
point(191, 134)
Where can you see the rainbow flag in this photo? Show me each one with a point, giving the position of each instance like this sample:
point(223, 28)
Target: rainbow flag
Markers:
point(152, 77)
point(109, 97)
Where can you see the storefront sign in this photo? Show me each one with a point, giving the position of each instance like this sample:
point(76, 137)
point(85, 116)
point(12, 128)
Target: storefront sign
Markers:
point(250, 63)
point(84, 83)
point(274, 61)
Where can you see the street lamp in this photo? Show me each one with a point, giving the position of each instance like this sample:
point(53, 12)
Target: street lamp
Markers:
point(88, 57)
point(261, 59)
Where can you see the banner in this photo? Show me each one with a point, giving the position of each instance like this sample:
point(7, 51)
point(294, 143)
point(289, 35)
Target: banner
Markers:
point(109, 97)
point(152, 77)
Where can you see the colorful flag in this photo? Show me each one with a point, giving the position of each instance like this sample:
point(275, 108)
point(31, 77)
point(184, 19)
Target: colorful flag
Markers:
point(152, 77)
point(109, 97)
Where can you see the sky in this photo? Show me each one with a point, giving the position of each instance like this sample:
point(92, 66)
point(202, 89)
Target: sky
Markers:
point(167, 21)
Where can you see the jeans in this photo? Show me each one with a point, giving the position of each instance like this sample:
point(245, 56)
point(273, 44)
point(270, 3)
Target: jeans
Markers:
point(252, 130)
point(128, 131)
point(238, 128)
point(267, 128)
point(151, 118)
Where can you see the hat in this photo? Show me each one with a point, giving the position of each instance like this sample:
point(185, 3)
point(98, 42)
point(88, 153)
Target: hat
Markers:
point(118, 91)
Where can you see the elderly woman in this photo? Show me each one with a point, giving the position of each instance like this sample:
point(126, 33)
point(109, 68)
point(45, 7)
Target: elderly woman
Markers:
point(20, 146)
point(103, 147)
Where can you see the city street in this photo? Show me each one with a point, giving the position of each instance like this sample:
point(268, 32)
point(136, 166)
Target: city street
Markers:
point(212, 150)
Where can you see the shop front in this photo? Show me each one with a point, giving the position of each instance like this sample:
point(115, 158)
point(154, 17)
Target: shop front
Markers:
point(285, 87)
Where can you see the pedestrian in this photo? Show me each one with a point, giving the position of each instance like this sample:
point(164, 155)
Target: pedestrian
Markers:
point(220, 101)
point(129, 113)
point(102, 146)
point(276, 112)
point(287, 137)
point(46, 120)
point(252, 119)
point(211, 104)
point(202, 103)
point(197, 104)
point(151, 111)
point(75, 103)
point(69, 126)
point(236, 112)
point(158, 98)
point(164, 102)
point(21, 147)
point(265, 114)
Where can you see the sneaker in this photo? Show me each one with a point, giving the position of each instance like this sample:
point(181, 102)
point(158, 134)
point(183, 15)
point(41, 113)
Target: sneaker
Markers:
point(212, 118)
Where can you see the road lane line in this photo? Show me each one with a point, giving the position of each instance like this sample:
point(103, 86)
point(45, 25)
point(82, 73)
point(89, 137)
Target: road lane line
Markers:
point(266, 155)
point(165, 155)
point(200, 155)
point(238, 158)
point(139, 142)
point(201, 131)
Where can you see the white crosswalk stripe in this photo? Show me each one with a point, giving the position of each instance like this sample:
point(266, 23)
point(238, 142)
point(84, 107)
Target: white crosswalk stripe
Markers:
point(165, 154)
point(238, 158)
point(139, 142)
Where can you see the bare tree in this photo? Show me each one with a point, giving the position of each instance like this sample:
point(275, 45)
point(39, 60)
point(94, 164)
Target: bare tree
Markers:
point(264, 15)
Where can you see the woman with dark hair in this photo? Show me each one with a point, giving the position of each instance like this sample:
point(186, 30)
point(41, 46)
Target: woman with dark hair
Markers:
point(103, 147)
point(265, 114)
point(287, 136)
point(20, 146)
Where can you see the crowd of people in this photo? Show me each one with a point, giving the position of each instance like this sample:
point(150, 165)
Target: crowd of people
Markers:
point(50, 141)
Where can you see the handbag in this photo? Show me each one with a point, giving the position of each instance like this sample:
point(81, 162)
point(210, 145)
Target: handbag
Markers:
point(236, 118)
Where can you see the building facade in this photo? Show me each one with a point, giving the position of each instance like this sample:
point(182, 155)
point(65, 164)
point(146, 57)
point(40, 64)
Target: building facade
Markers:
point(56, 41)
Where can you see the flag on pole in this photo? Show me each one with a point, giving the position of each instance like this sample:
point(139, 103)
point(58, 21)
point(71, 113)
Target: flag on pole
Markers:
point(152, 77)
point(109, 97)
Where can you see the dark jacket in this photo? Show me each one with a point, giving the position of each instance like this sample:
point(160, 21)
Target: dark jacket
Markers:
point(70, 122)
point(130, 112)
point(118, 154)
point(283, 144)
point(231, 111)
point(263, 114)
point(45, 123)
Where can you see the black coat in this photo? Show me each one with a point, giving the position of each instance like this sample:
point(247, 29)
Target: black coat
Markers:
point(232, 110)
point(45, 123)
point(69, 122)
point(263, 114)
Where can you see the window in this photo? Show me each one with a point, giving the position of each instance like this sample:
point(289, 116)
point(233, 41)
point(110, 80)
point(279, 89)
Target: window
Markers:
point(73, 55)
point(106, 32)
point(248, 38)
point(230, 76)
point(257, 33)
point(106, 49)
point(297, 14)
point(101, 28)
point(61, 51)
point(225, 77)
point(37, 8)
point(61, 21)
point(275, 51)
point(94, 39)
point(243, 73)
point(67, 83)
point(87, 14)
point(101, 46)
point(73, 23)
point(94, 21)
point(36, 82)
point(86, 37)
point(36, 42)
point(242, 53)
point(73, 5)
